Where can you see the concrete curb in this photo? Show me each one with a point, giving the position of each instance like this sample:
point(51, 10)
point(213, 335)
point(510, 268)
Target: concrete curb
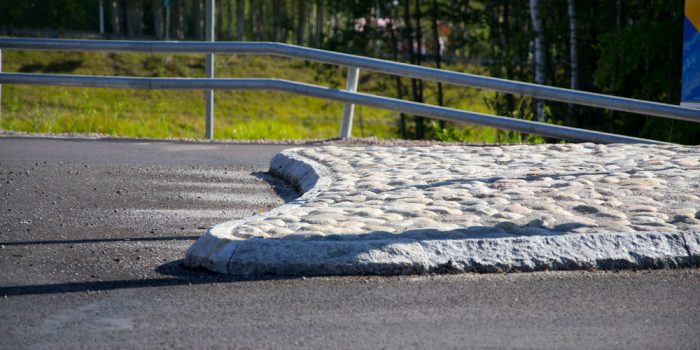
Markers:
point(217, 250)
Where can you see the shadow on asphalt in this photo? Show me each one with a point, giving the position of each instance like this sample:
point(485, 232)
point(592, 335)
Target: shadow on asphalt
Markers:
point(178, 274)
point(281, 188)
point(173, 273)
point(104, 240)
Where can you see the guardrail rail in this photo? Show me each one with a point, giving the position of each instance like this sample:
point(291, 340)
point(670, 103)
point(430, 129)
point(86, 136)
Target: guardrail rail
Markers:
point(350, 96)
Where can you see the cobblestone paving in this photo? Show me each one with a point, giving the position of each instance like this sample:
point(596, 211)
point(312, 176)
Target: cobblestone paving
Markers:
point(493, 191)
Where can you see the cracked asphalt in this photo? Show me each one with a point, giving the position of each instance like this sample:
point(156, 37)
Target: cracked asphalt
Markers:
point(92, 236)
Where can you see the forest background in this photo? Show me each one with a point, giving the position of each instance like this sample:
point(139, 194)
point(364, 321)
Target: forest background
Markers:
point(630, 48)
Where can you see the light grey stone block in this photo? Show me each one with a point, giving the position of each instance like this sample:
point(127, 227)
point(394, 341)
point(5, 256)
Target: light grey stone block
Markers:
point(692, 243)
point(357, 215)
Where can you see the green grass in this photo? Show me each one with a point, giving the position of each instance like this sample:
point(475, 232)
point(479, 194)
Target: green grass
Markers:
point(180, 114)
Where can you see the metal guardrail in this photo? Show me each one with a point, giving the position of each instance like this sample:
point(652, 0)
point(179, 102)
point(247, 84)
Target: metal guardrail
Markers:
point(354, 63)
point(377, 65)
point(408, 107)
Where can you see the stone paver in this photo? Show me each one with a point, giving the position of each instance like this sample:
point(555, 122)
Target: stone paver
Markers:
point(485, 192)
point(509, 190)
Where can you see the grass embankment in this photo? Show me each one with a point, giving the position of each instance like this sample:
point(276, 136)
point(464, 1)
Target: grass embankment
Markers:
point(180, 114)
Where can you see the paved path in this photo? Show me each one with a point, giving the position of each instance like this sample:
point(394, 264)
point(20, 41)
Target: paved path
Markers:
point(114, 284)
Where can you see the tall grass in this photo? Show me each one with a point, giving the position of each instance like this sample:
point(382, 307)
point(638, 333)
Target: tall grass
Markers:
point(176, 113)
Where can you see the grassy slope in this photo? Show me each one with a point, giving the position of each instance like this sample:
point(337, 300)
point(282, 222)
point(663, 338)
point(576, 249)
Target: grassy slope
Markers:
point(238, 115)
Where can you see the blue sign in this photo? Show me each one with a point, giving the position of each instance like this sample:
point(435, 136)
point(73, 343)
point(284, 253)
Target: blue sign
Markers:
point(690, 90)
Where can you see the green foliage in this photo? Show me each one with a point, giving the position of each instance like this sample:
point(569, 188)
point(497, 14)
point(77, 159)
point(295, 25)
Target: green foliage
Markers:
point(627, 48)
point(642, 59)
point(77, 15)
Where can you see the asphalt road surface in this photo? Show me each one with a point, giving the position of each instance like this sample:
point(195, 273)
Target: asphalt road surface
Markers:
point(92, 236)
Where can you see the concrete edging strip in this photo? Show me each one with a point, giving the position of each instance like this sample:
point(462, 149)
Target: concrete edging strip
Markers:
point(217, 250)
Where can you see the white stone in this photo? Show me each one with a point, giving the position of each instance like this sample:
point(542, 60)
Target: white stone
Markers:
point(518, 209)
point(508, 215)
point(323, 219)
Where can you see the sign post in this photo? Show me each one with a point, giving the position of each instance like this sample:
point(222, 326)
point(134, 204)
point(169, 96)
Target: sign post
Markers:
point(690, 90)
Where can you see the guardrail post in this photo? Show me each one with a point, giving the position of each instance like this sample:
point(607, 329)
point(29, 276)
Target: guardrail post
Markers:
point(349, 108)
point(209, 94)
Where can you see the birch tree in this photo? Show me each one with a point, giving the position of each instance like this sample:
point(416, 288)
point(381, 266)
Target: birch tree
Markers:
point(116, 17)
point(179, 21)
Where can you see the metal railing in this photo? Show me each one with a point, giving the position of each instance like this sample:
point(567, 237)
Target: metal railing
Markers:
point(350, 97)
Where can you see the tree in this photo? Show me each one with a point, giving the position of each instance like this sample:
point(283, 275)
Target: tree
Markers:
point(157, 10)
point(413, 54)
point(301, 22)
point(539, 54)
point(395, 55)
point(179, 20)
point(240, 22)
point(219, 21)
point(283, 24)
point(633, 46)
point(318, 28)
point(134, 18)
point(229, 19)
point(197, 19)
point(573, 57)
point(437, 44)
point(116, 17)
point(573, 43)
point(277, 20)
point(257, 19)
point(420, 121)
